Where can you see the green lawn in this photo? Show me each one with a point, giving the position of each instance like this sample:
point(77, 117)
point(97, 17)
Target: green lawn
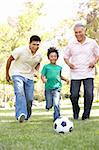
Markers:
point(38, 134)
point(43, 109)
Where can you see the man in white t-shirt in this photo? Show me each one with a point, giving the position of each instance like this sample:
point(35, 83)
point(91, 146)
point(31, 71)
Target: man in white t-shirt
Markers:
point(81, 55)
point(22, 63)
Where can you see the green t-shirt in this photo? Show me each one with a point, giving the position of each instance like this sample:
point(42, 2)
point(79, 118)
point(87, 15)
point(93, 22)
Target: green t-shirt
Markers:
point(52, 74)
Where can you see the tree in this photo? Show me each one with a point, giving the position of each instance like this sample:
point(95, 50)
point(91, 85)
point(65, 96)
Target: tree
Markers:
point(89, 11)
point(17, 30)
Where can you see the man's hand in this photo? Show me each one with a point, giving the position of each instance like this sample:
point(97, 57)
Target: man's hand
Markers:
point(91, 65)
point(67, 81)
point(72, 66)
point(8, 78)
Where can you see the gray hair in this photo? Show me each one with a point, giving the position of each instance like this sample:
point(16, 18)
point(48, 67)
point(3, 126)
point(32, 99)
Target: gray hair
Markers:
point(79, 25)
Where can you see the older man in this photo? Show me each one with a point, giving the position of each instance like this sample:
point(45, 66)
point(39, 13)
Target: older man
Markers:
point(81, 56)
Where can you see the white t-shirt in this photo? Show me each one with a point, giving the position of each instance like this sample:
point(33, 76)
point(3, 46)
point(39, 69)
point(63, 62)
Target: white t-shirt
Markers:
point(81, 55)
point(25, 62)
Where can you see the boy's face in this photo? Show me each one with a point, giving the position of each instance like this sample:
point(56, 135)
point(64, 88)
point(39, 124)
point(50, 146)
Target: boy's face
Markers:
point(53, 57)
point(34, 46)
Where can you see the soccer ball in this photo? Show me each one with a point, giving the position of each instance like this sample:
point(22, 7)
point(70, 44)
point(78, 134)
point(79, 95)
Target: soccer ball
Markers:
point(63, 125)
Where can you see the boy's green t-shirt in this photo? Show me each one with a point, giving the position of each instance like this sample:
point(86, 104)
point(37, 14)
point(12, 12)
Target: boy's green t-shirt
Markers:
point(52, 74)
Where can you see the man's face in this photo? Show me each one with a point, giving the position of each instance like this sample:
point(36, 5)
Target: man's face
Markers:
point(79, 33)
point(34, 46)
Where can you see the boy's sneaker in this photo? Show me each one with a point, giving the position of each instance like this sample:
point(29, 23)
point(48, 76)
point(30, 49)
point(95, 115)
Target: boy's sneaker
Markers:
point(21, 118)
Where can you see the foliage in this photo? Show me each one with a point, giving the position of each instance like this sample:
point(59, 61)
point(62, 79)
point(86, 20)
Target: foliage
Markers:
point(89, 11)
point(17, 30)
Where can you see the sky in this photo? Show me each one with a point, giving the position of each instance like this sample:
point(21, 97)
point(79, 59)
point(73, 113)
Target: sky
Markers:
point(56, 9)
point(10, 8)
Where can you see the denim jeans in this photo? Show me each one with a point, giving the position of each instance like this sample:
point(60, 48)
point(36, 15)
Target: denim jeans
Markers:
point(53, 99)
point(88, 96)
point(23, 89)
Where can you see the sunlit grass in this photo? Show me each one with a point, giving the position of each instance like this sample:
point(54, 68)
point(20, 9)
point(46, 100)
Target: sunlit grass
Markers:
point(38, 134)
point(44, 110)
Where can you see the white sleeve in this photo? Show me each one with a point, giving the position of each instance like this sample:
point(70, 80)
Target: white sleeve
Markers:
point(16, 53)
point(96, 48)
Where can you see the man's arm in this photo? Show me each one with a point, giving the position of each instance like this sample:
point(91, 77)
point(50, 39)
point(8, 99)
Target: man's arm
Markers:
point(72, 66)
point(37, 67)
point(64, 79)
point(36, 70)
point(96, 54)
point(92, 65)
point(8, 64)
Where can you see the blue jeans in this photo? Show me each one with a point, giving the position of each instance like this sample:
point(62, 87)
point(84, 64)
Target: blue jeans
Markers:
point(88, 96)
point(23, 89)
point(53, 99)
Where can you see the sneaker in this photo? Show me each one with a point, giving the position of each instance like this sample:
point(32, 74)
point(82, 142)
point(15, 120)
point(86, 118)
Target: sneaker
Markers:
point(47, 109)
point(85, 118)
point(21, 118)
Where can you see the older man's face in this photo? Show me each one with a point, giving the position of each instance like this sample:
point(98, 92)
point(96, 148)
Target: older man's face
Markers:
point(79, 33)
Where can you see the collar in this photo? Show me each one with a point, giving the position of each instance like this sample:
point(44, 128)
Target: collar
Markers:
point(85, 42)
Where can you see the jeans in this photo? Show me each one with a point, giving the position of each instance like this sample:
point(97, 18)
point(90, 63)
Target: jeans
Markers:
point(88, 96)
point(53, 99)
point(23, 89)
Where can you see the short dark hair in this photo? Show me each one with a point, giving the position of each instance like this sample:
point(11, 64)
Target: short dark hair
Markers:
point(51, 50)
point(35, 38)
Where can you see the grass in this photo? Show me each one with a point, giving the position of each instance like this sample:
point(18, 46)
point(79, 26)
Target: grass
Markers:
point(38, 134)
point(43, 109)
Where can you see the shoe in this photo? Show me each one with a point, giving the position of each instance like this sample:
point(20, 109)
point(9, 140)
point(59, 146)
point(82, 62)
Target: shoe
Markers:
point(47, 109)
point(85, 118)
point(76, 118)
point(21, 118)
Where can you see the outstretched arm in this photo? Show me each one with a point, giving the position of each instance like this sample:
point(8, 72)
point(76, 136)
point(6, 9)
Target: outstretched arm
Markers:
point(9, 61)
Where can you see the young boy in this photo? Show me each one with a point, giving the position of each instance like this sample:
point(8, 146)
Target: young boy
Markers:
point(51, 76)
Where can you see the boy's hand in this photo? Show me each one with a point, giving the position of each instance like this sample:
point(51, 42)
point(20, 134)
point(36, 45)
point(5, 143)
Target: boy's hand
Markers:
point(44, 79)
